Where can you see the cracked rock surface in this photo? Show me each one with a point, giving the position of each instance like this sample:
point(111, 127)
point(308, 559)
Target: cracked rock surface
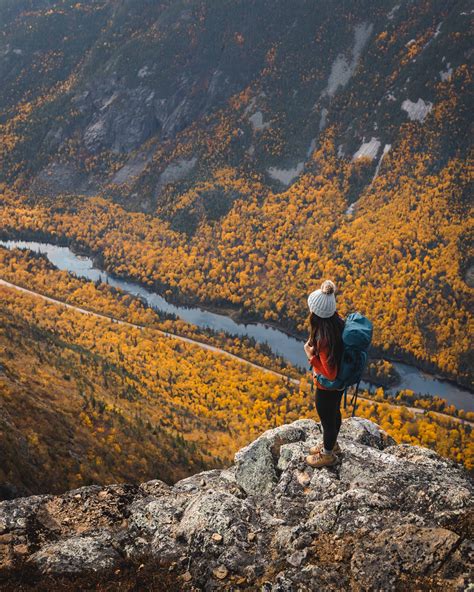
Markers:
point(386, 517)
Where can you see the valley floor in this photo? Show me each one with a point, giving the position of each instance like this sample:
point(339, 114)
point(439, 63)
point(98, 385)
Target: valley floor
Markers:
point(195, 342)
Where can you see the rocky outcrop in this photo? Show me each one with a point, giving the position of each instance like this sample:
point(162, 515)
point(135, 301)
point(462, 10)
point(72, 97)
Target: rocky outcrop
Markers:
point(175, 171)
point(386, 517)
point(123, 118)
point(62, 179)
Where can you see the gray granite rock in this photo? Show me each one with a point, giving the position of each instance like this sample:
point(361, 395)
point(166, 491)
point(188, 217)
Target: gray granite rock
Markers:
point(63, 179)
point(76, 555)
point(386, 517)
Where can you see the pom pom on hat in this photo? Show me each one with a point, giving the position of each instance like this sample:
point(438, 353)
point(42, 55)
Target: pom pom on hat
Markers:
point(328, 287)
point(322, 302)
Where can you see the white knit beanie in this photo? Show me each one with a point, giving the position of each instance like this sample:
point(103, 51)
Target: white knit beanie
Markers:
point(322, 302)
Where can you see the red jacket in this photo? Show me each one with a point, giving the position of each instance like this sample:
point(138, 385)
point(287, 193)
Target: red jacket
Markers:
point(321, 365)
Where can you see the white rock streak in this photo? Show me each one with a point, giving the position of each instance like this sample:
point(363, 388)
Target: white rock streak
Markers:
point(342, 70)
point(386, 148)
point(446, 75)
point(257, 121)
point(322, 121)
point(368, 149)
point(417, 111)
point(286, 176)
point(391, 14)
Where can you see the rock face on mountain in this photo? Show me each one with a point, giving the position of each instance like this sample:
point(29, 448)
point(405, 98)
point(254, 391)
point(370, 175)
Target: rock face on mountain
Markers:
point(88, 85)
point(387, 517)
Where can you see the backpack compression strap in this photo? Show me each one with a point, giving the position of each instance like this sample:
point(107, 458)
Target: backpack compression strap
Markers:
point(354, 399)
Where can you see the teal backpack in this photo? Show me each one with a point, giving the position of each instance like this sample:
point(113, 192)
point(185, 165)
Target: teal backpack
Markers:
point(356, 338)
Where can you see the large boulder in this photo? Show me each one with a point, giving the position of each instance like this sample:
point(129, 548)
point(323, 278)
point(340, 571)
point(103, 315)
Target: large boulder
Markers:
point(386, 517)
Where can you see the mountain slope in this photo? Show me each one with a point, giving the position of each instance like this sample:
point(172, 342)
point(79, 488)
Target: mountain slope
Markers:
point(159, 80)
point(87, 401)
point(84, 400)
point(243, 151)
point(387, 517)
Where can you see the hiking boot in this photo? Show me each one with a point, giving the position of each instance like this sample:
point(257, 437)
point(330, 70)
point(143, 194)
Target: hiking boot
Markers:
point(320, 460)
point(319, 448)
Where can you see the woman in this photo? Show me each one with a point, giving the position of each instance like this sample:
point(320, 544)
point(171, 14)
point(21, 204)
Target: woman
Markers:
point(324, 351)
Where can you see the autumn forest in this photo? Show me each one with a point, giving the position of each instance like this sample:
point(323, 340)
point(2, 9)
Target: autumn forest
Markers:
point(231, 159)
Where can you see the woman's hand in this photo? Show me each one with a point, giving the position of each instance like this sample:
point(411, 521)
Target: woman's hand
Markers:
point(309, 349)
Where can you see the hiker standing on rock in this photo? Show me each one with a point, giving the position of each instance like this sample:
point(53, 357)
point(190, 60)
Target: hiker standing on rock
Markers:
point(324, 350)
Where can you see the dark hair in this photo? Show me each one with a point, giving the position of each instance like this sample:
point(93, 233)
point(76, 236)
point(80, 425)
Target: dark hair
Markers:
point(328, 331)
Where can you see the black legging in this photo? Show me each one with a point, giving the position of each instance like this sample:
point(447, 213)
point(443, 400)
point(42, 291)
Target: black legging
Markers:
point(328, 403)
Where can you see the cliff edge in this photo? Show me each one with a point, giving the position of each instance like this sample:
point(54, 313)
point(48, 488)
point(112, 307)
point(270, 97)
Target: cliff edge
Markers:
point(387, 517)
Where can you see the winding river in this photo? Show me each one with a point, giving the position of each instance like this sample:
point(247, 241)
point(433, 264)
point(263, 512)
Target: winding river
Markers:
point(289, 348)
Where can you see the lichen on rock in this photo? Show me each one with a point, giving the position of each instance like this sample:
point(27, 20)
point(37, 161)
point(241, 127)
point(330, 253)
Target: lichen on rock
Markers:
point(386, 517)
